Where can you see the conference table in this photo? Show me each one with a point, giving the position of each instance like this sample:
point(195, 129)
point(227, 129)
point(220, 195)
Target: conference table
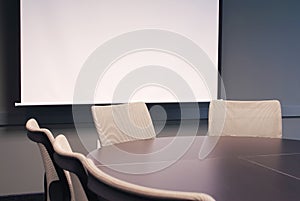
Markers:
point(227, 168)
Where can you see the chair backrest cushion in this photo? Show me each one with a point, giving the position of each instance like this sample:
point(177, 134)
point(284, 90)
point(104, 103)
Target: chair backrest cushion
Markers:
point(245, 118)
point(123, 123)
point(58, 182)
point(70, 161)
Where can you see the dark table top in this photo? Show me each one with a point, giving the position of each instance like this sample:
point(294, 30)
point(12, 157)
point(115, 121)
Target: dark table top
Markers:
point(227, 168)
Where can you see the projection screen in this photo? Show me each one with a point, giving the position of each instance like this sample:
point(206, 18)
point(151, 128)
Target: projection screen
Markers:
point(163, 50)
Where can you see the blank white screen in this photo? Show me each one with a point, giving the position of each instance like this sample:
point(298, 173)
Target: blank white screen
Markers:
point(57, 37)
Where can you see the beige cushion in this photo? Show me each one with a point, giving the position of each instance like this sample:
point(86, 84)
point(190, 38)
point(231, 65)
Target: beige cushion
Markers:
point(122, 123)
point(245, 118)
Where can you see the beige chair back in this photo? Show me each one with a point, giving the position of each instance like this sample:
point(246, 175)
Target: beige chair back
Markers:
point(70, 161)
point(245, 118)
point(53, 174)
point(123, 123)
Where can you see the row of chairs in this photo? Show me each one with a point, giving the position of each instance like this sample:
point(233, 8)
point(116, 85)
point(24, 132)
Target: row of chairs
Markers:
point(132, 121)
point(61, 162)
point(128, 122)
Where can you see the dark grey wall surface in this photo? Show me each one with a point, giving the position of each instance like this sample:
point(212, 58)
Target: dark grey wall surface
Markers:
point(261, 51)
point(9, 61)
point(260, 60)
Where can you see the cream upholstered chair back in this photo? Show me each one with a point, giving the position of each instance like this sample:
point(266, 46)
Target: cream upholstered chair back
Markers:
point(245, 118)
point(57, 182)
point(123, 123)
point(70, 161)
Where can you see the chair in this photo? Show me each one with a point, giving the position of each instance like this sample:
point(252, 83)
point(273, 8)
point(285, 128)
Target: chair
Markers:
point(70, 161)
point(245, 118)
point(123, 123)
point(107, 187)
point(57, 182)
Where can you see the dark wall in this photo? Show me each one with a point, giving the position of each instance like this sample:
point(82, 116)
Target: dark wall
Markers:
point(261, 51)
point(260, 58)
point(9, 60)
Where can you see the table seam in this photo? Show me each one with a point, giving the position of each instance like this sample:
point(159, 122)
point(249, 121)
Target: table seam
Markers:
point(269, 168)
point(265, 155)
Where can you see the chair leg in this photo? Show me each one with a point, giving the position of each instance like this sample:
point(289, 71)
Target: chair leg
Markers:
point(58, 192)
point(55, 191)
point(45, 188)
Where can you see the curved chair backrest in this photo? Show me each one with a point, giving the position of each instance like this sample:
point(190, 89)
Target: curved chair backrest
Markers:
point(68, 160)
point(123, 123)
point(245, 118)
point(111, 188)
point(57, 183)
point(106, 187)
